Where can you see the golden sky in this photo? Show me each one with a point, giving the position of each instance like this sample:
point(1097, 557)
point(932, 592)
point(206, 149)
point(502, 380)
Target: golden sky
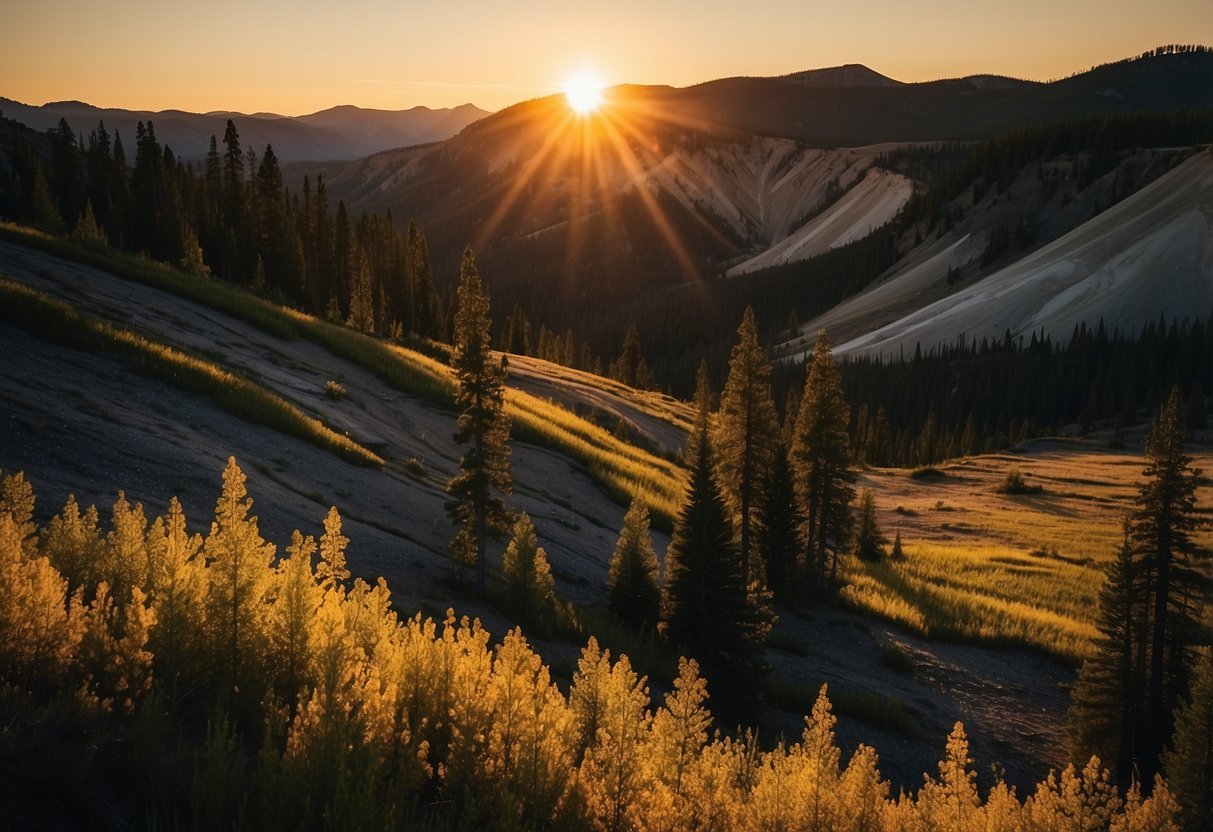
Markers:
point(306, 55)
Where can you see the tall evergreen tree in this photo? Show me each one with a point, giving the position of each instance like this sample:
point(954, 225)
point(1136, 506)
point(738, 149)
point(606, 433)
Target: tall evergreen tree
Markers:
point(1106, 702)
point(1162, 526)
point(747, 428)
point(1189, 762)
point(822, 458)
point(239, 566)
point(869, 542)
point(530, 587)
point(633, 591)
point(424, 314)
point(477, 507)
point(706, 605)
point(630, 367)
point(67, 184)
point(779, 540)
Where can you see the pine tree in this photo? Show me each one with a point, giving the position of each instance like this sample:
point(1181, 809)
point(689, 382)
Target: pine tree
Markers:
point(869, 542)
point(630, 367)
point(362, 309)
point(530, 588)
point(331, 570)
point(517, 337)
point(746, 431)
point(706, 605)
point(821, 455)
point(483, 425)
point(1161, 530)
point(1189, 762)
point(425, 317)
point(1106, 700)
point(952, 802)
point(633, 592)
point(779, 540)
point(239, 565)
point(613, 769)
point(176, 584)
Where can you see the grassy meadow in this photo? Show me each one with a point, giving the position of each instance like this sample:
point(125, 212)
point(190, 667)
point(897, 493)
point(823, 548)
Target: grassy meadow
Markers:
point(995, 568)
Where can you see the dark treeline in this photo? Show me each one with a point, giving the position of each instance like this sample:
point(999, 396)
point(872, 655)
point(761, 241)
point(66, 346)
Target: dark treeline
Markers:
point(233, 218)
point(974, 398)
point(1095, 140)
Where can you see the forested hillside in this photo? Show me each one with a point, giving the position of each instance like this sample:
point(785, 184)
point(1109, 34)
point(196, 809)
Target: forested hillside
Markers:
point(220, 689)
point(596, 522)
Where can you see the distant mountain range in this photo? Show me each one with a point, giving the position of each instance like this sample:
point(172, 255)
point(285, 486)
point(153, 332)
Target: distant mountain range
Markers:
point(738, 166)
point(339, 133)
point(676, 207)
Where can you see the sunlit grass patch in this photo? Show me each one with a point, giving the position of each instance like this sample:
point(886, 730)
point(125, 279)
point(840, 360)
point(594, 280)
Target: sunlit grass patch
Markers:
point(981, 593)
point(49, 319)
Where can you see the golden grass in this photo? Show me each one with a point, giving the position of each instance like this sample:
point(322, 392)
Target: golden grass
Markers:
point(624, 470)
point(1004, 569)
point(985, 593)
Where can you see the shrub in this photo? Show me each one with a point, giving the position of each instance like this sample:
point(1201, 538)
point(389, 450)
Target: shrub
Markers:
point(1014, 483)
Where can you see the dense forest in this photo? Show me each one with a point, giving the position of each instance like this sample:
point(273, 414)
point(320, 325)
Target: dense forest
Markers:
point(197, 680)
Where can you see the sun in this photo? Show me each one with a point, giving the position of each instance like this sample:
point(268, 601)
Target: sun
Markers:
point(583, 91)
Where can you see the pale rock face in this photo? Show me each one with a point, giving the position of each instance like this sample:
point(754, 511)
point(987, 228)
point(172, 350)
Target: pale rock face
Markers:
point(1149, 255)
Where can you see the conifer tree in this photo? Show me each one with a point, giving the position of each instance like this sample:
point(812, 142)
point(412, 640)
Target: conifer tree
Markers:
point(706, 605)
point(1106, 702)
point(746, 430)
point(951, 802)
point(613, 769)
point(630, 367)
point(17, 500)
point(71, 541)
point(517, 337)
point(362, 309)
point(483, 425)
point(239, 564)
point(331, 570)
point(530, 588)
point(176, 584)
point(779, 540)
point(869, 542)
point(1189, 762)
point(680, 729)
point(425, 319)
point(633, 591)
point(821, 455)
point(1162, 526)
point(41, 622)
point(296, 599)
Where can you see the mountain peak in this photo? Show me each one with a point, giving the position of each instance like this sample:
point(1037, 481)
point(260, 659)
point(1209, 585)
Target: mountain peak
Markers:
point(847, 75)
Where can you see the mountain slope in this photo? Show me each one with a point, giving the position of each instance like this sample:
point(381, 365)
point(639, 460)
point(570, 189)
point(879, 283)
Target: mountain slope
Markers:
point(1149, 255)
point(86, 424)
point(667, 186)
point(874, 201)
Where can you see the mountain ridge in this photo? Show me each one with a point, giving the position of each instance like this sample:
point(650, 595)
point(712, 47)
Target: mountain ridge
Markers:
point(335, 133)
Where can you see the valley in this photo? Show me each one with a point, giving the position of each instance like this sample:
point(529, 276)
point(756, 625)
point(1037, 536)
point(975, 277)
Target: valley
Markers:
point(731, 456)
point(86, 425)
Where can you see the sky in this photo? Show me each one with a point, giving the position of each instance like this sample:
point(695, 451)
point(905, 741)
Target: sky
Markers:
point(306, 55)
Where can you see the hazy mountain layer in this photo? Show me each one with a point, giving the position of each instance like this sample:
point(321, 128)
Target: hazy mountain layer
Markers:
point(344, 132)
